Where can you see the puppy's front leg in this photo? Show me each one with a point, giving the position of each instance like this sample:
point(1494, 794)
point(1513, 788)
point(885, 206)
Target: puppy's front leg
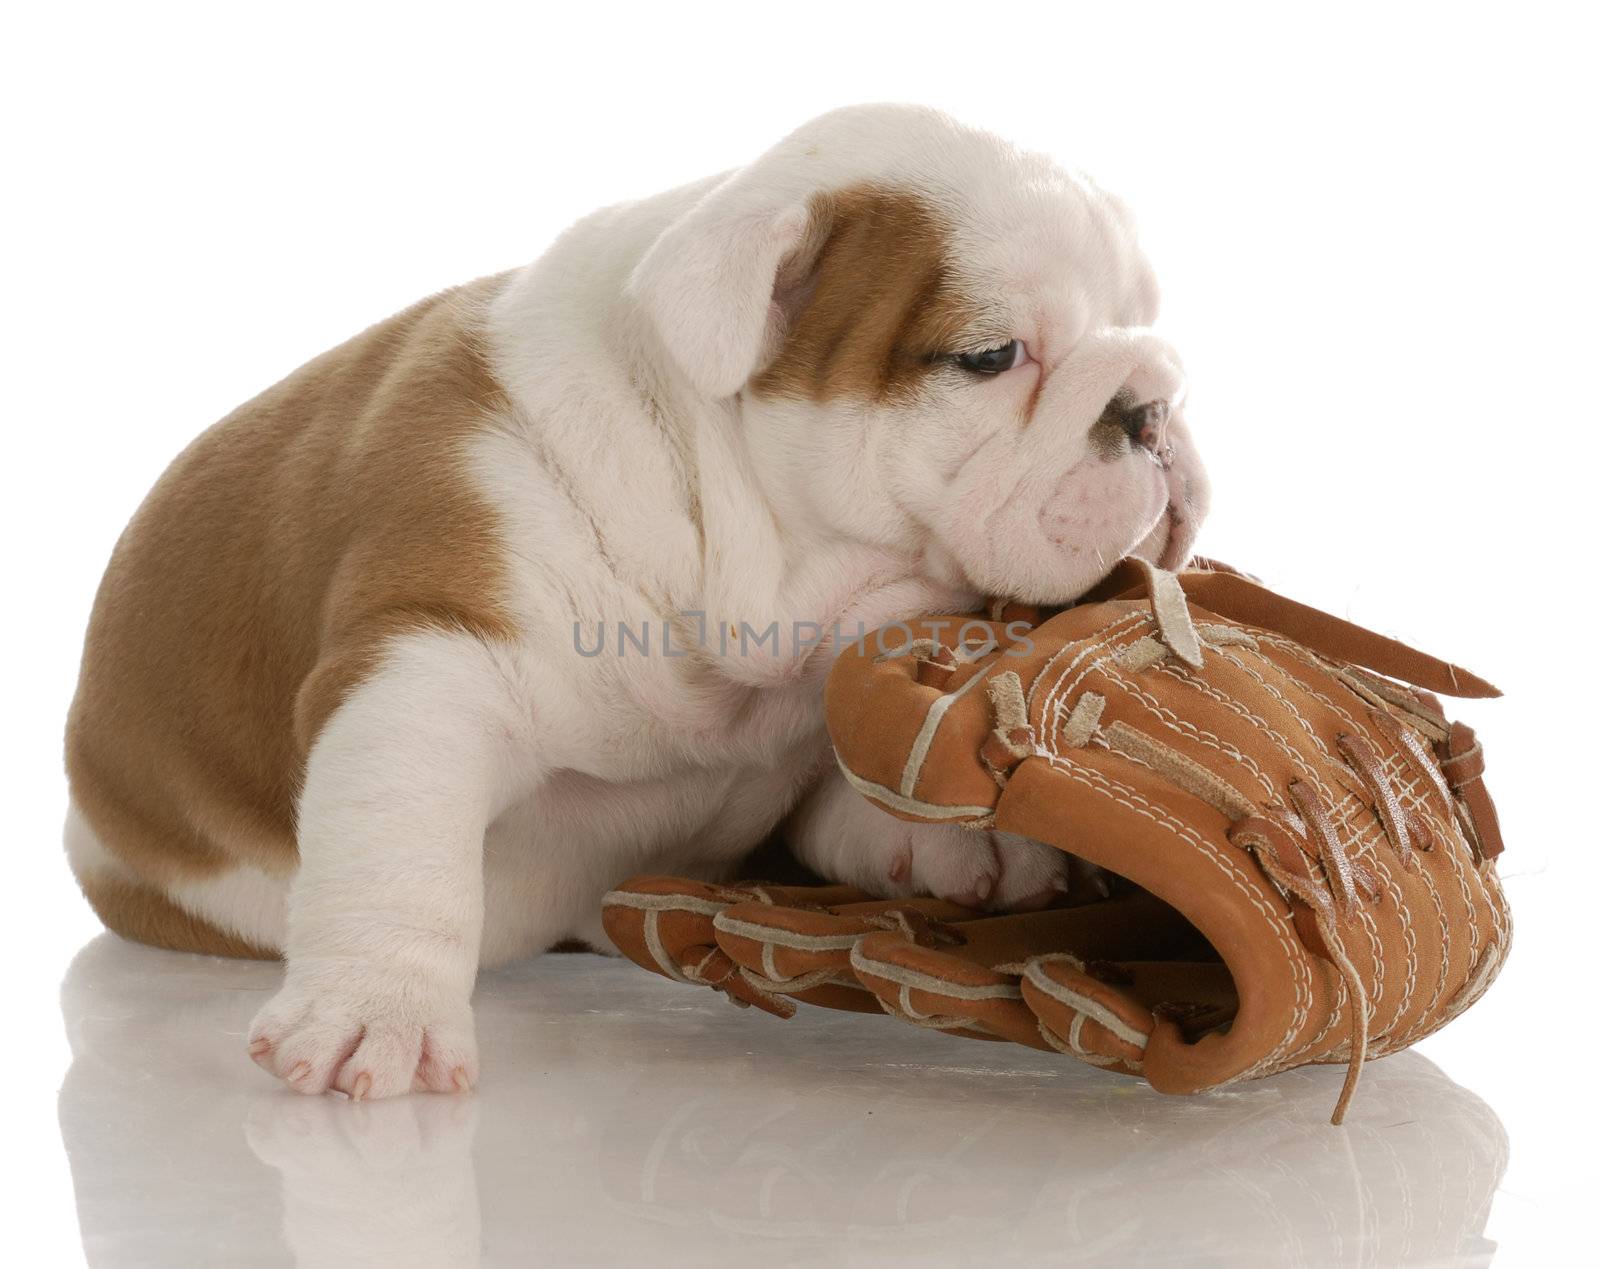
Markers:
point(386, 911)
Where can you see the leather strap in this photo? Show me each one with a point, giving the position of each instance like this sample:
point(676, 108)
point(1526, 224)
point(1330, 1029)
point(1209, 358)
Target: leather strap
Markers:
point(1237, 597)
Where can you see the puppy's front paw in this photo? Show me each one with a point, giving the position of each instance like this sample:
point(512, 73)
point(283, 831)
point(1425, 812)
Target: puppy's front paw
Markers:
point(365, 1033)
point(979, 869)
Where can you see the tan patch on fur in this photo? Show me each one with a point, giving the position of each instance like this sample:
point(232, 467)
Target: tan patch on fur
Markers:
point(146, 916)
point(871, 298)
point(260, 581)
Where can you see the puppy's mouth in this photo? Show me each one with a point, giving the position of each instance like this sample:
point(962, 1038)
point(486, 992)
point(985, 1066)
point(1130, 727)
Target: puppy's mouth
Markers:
point(1172, 540)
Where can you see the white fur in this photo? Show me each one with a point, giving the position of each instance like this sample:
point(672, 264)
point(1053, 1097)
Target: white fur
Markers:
point(471, 804)
point(86, 854)
point(243, 901)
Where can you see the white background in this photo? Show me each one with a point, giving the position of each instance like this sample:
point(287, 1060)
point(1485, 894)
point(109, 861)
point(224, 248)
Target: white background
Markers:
point(1376, 230)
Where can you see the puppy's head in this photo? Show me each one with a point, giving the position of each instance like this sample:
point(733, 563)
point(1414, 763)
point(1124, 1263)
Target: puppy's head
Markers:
point(937, 344)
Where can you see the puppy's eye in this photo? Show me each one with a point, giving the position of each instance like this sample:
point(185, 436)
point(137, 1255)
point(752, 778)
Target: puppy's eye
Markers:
point(992, 361)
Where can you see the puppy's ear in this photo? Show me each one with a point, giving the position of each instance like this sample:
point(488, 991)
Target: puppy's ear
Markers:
point(721, 282)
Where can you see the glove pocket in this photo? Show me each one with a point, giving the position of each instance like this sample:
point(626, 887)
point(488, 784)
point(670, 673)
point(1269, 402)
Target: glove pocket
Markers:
point(1241, 1000)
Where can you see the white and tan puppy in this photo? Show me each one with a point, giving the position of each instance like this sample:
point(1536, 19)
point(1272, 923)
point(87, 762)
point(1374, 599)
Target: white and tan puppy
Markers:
point(367, 682)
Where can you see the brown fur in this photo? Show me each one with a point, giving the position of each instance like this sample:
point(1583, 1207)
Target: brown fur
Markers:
point(258, 584)
point(871, 299)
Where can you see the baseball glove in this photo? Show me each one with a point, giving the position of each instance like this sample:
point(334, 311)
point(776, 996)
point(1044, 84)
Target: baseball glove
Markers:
point(1300, 846)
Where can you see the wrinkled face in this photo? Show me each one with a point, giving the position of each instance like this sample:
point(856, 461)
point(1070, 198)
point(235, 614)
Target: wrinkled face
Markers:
point(956, 361)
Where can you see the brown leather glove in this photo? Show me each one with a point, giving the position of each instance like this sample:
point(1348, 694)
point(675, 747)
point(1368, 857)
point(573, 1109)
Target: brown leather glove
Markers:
point(1302, 848)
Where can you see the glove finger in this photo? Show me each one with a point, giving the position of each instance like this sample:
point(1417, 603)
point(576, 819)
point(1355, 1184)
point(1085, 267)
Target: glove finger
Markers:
point(805, 952)
point(946, 989)
point(664, 924)
point(980, 984)
point(1105, 1012)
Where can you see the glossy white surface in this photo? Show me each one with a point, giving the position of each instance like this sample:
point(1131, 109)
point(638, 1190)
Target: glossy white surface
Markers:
point(624, 1119)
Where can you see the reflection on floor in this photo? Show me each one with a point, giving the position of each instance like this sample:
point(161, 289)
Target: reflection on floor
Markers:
point(627, 1120)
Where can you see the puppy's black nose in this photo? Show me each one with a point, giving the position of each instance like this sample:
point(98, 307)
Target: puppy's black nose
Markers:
point(1145, 425)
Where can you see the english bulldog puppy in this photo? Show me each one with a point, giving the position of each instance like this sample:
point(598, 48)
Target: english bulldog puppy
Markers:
point(408, 660)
